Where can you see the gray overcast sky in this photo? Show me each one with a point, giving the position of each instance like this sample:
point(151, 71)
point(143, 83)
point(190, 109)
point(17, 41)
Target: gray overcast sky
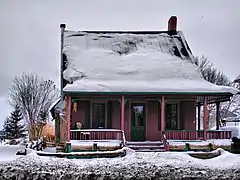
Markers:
point(30, 33)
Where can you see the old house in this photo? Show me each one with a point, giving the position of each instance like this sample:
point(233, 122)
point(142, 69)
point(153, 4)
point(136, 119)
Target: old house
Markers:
point(142, 83)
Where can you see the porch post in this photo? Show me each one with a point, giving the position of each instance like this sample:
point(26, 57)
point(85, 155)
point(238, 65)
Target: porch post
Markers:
point(199, 115)
point(122, 112)
point(68, 116)
point(217, 115)
point(205, 119)
point(163, 114)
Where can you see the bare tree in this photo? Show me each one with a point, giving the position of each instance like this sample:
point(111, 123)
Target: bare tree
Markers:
point(210, 73)
point(34, 96)
point(213, 75)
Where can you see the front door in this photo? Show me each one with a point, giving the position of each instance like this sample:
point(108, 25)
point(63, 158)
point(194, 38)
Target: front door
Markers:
point(138, 121)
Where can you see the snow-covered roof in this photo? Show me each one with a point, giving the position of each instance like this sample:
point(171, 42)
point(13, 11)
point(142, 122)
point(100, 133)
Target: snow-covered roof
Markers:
point(227, 113)
point(150, 62)
point(57, 107)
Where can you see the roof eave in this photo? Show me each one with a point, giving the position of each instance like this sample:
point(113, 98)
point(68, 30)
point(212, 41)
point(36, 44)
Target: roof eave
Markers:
point(146, 93)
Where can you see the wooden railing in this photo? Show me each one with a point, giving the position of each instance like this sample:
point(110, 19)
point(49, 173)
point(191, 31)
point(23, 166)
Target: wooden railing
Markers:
point(193, 135)
point(216, 134)
point(98, 134)
point(180, 135)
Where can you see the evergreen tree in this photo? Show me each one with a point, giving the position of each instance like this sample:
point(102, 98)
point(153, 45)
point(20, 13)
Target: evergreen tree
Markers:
point(12, 125)
point(7, 128)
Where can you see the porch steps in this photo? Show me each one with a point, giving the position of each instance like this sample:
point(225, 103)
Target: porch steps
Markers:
point(60, 147)
point(146, 146)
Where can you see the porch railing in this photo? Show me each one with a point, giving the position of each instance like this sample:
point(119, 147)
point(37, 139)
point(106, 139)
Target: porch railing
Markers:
point(193, 135)
point(180, 135)
point(98, 134)
point(216, 134)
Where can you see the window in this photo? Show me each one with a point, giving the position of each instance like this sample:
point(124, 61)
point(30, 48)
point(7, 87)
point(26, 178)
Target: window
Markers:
point(98, 115)
point(171, 116)
point(138, 115)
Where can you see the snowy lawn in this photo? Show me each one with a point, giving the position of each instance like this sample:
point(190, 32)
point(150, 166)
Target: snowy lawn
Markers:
point(8, 152)
point(50, 149)
point(134, 164)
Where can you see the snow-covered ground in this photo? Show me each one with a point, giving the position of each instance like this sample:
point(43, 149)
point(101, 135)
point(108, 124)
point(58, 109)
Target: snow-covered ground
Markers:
point(135, 164)
point(8, 152)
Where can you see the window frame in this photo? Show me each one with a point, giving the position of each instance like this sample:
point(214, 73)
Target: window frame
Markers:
point(176, 116)
point(165, 121)
point(105, 113)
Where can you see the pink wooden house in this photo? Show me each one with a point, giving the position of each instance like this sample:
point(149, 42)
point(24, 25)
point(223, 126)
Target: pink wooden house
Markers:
point(142, 83)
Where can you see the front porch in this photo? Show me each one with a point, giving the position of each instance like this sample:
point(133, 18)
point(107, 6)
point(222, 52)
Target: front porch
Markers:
point(113, 139)
point(140, 117)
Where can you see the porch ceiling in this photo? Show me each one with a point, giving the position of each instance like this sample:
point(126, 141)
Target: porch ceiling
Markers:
point(213, 99)
point(197, 98)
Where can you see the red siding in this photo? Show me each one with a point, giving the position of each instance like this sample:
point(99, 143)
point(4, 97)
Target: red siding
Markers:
point(188, 115)
point(152, 122)
point(116, 116)
point(80, 115)
point(127, 122)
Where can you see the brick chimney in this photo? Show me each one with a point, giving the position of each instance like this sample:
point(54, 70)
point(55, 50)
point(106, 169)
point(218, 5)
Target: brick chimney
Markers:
point(172, 25)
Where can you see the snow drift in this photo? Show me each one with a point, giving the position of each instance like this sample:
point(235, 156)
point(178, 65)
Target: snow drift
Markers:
point(134, 165)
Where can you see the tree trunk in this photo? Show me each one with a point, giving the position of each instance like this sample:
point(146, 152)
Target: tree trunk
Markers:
point(33, 132)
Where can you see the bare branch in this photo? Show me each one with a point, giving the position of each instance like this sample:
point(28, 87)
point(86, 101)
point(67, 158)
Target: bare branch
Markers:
point(210, 73)
point(33, 95)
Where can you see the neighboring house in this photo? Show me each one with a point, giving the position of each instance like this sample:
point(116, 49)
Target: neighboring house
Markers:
point(142, 82)
point(229, 118)
point(224, 113)
point(235, 130)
